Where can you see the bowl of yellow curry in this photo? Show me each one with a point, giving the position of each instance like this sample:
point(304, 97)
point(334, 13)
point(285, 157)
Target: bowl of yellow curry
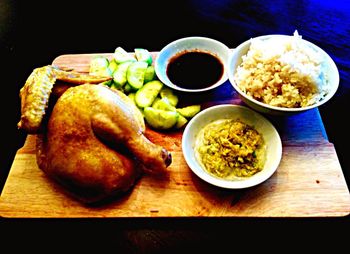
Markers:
point(231, 146)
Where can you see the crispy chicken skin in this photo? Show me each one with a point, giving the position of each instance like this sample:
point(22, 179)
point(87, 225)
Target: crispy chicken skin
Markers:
point(94, 143)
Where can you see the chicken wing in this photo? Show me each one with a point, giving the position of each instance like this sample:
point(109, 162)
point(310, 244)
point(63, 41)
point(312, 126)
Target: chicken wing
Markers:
point(37, 89)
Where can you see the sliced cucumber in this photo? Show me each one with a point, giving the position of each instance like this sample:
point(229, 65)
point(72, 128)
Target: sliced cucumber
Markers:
point(112, 65)
point(148, 93)
point(155, 101)
point(121, 56)
point(181, 121)
point(99, 66)
point(189, 111)
point(160, 119)
point(127, 88)
point(98, 63)
point(102, 72)
point(163, 104)
point(136, 74)
point(150, 73)
point(132, 97)
point(143, 55)
point(168, 93)
point(119, 75)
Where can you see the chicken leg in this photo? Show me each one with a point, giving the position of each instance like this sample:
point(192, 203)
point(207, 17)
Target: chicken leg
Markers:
point(95, 144)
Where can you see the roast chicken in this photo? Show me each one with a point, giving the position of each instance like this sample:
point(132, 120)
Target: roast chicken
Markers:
point(94, 145)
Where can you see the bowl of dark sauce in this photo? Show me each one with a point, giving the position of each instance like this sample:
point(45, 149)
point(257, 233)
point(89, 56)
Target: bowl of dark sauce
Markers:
point(193, 64)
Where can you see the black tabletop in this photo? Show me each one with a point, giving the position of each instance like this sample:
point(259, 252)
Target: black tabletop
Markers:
point(33, 33)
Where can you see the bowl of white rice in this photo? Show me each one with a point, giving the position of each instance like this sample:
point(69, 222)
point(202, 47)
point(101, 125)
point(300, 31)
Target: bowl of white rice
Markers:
point(282, 74)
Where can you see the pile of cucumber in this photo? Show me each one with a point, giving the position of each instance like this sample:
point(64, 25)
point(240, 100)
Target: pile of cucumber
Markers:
point(134, 75)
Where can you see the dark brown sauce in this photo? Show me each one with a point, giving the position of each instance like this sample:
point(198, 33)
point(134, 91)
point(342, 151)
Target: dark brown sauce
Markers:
point(194, 69)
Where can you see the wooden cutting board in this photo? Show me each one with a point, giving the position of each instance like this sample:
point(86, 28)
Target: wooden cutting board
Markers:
point(308, 183)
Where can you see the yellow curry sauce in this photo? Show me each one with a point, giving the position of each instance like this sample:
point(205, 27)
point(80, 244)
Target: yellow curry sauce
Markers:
point(230, 149)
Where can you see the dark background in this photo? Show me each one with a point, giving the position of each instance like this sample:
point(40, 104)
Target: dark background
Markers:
point(33, 33)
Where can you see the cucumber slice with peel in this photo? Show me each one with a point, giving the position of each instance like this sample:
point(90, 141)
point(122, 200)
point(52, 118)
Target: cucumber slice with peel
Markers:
point(160, 119)
point(163, 104)
point(112, 65)
point(189, 111)
point(168, 93)
point(155, 101)
point(121, 56)
point(102, 72)
point(181, 121)
point(143, 55)
point(97, 63)
point(99, 67)
point(145, 96)
point(127, 88)
point(132, 97)
point(150, 73)
point(119, 75)
point(136, 74)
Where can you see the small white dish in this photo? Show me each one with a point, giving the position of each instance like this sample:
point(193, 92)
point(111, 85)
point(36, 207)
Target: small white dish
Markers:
point(228, 111)
point(216, 48)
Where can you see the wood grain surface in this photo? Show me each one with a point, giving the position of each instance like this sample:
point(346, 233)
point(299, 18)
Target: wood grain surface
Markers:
point(308, 183)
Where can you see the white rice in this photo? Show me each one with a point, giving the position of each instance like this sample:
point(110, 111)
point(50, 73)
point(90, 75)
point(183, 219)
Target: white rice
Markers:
point(283, 72)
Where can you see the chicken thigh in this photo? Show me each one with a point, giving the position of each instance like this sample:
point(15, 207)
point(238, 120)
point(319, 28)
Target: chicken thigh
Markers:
point(94, 144)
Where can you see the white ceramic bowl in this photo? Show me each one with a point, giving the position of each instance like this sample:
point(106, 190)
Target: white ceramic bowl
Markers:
point(228, 111)
point(215, 47)
point(235, 59)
